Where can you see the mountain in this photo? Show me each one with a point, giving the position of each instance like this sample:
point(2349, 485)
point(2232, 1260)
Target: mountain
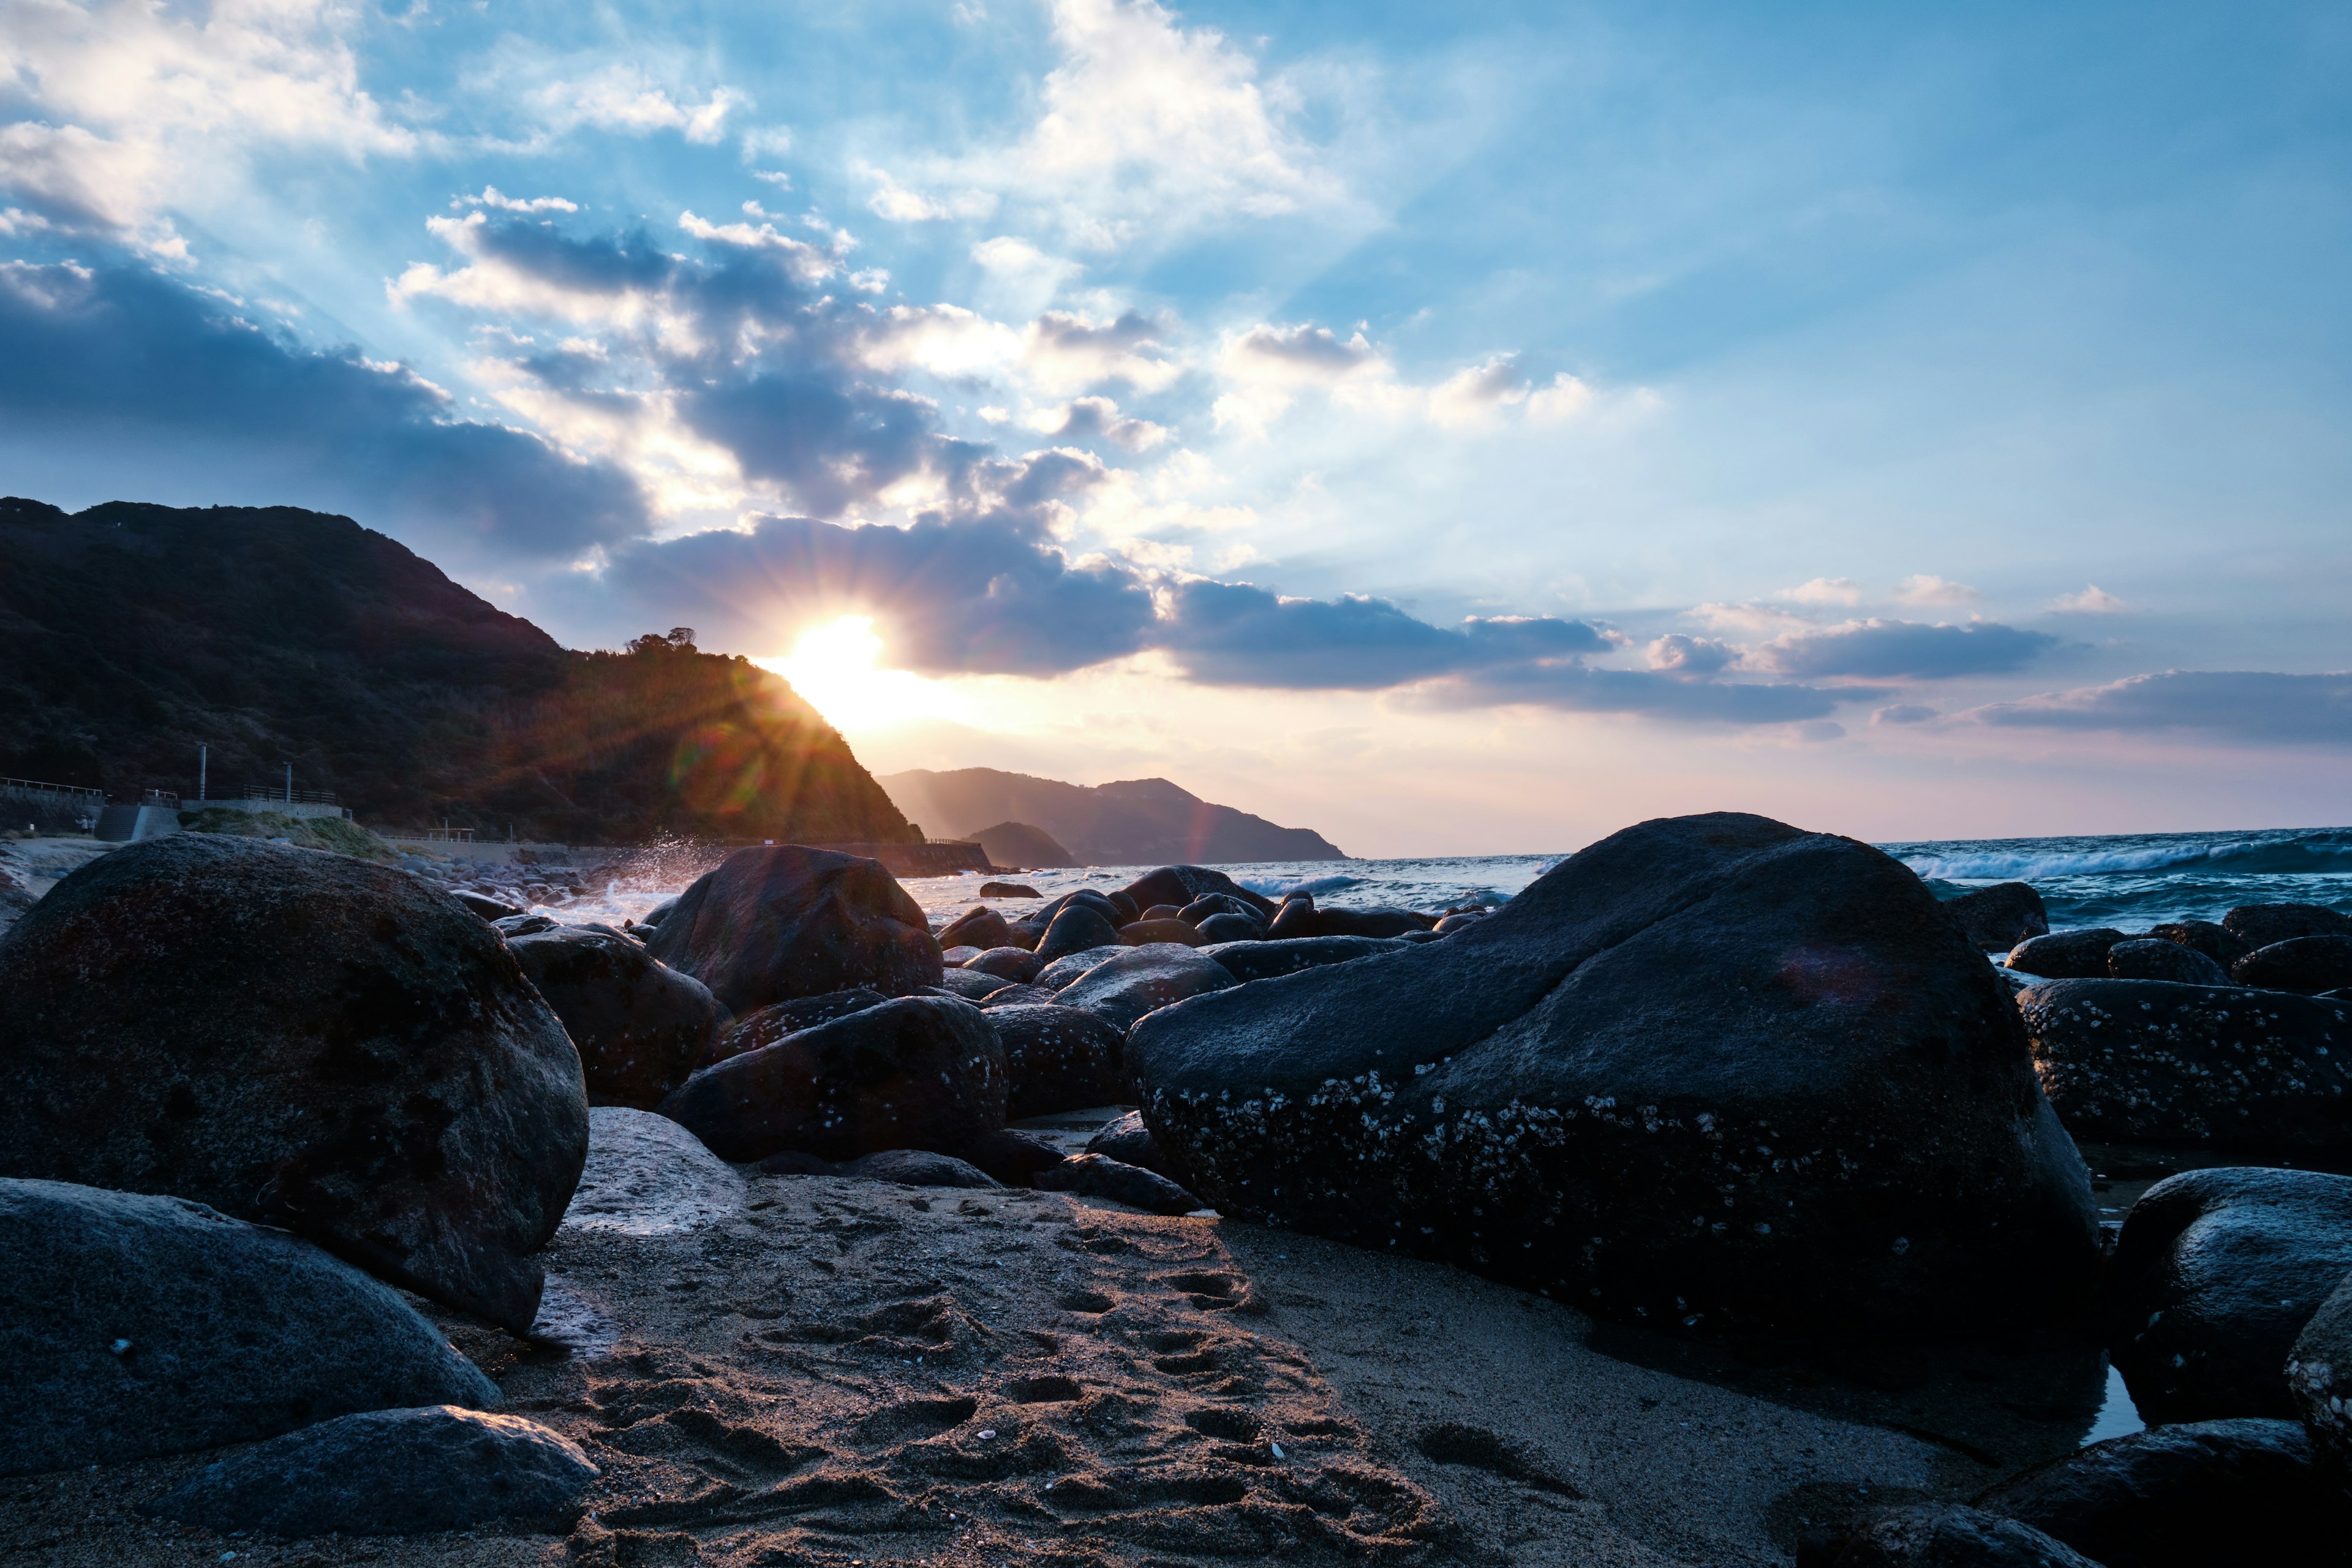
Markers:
point(1018, 844)
point(131, 634)
point(1140, 822)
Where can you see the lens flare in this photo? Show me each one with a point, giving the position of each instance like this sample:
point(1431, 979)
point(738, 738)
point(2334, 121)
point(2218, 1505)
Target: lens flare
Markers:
point(836, 667)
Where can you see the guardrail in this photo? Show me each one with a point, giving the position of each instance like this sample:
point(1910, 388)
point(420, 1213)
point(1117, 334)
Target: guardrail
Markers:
point(96, 796)
point(276, 792)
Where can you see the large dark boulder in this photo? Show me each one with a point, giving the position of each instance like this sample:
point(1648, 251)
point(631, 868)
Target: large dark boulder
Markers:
point(1295, 919)
point(2149, 1061)
point(1930, 1536)
point(299, 1037)
point(2319, 1379)
point(2153, 958)
point(979, 927)
point(2001, 915)
point(1100, 1176)
point(2259, 925)
point(780, 921)
point(2067, 955)
point(2306, 963)
point(1056, 1059)
point(132, 1325)
point(1265, 960)
point(915, 1072)
point(1131, 1142)
point(1712, 1070)
point(1077, 929)
point(1070, 966)
point(772, 1023)
point(1230, 927)
point(972, 984)
point(1170, 929)
point(387, 1472)
point(1181, 885)
point(2216, 1273)
point(1141, 980)
point(1014, 963)
point(641, 1026)
point(1378, 921)
point(2204, 1494)
point(2213, 939)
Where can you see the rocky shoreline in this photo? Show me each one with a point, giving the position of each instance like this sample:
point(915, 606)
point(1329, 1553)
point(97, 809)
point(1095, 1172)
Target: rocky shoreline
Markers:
point(1695, 1205)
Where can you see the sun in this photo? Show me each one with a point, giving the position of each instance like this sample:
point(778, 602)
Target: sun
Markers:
point(837, 668)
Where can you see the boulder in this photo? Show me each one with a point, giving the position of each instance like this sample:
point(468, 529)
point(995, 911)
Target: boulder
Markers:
point(1295, 918)
point(2149, 1061)
point(1008, 891)
point(1381, 920)
point(1934, 1536)
point(955, 957)
point(1056, 1059)
point(1452, 924)
point(1248, 960)
point(1018, 996)
point(979, 927)
point(2259, 925)
point(1071, 966)
point(915, 1168)
point(387, 1472)
point(640, 1026)
point(2067, 955)
point(1162, 912)
point(1013, 1157)
point(1023, 934)
point(2001, 915)
point(1094, 898)
point(2319, 1378)
point(1209, 904)
point(659, 912)
point(972, 984)
point(1143, 934)
point(768, 1025)
point(2203, 1494)
point(513, 926)
point(132, 1325)
point(1131, 1142)
point(1230, 927)
point(2306, 963)
point(1712, 1070)
point(2215, 940)
point(1077, 929)
point(1181, 885)
point(299, 1037)
point(781, 922)
point(648, 1176)
point(2216, 1273)
point(2153, 958)
point(1097, 1176)
point(1014, 963)
point(1143, 979)
point(915, 1072)
point(483, 905)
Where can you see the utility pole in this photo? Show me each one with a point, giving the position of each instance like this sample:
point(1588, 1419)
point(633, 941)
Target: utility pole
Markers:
point(204, 759)
point(289, 783)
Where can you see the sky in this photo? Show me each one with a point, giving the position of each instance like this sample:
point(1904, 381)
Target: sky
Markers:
point(1460, 430)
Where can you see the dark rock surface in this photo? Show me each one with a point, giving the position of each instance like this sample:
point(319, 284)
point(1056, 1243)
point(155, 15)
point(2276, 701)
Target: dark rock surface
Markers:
point(387, 1472)
point(972, 984)
point(916, 1168)
point(1376, 922)
point(1141, 980)
point(482, 904)
point(1016, 963)
point(2215, 940)
point(979, 927)
point(1056, 1059)
point(1070, 966)
point(1265, 960)
point(1230, 927)
point(768, 1025)
point(2216, 1273)
point(1711, 1069)
point(132, 1325)
point(1013, 1157)
point(1007, 890)
point(2147, 1061)
point(641, 1026)
point(2067, 955)
point(2153, 958)
point(1100, 1176)
point(1939, 1537)
point(2203, 1494)
point(915, 1072)
point(1019, 996)
point(2259, 925)
point(2001, 915)
point(301, 1037)
point(780, 921)
point(513, 926)
point(1144, 934)
point(2319, 1378)
point(648, 1176)
point(1078, 928)
point(1181, 885)
point(2306, 963)
point(1131, 1142)
point(1295, 918)
point(1209, 904)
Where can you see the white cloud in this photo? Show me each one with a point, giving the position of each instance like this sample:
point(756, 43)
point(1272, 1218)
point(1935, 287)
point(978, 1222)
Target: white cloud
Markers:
point(1086, 418)
point(1826, 591)
point(893, 201)
point(1474, 393)
point(808, 263)
point(2093, 600)
point(624, 98)
point(491, 198)
point(1564, 399)
point(1925, 590)
point(1069, 349)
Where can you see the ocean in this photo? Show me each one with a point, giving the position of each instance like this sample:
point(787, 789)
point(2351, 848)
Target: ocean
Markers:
point(2131, 881)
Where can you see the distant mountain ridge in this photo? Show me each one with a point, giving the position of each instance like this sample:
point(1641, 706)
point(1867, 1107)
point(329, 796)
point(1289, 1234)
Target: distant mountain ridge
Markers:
point(132, 634)
point(1136, 822)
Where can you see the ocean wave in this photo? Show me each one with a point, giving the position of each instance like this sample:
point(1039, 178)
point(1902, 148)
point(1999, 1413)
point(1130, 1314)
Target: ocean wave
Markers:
point(1277, 887)
point(2331, 855)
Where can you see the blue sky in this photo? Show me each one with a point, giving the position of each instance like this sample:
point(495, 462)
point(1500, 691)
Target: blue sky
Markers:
point(1460, 429)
